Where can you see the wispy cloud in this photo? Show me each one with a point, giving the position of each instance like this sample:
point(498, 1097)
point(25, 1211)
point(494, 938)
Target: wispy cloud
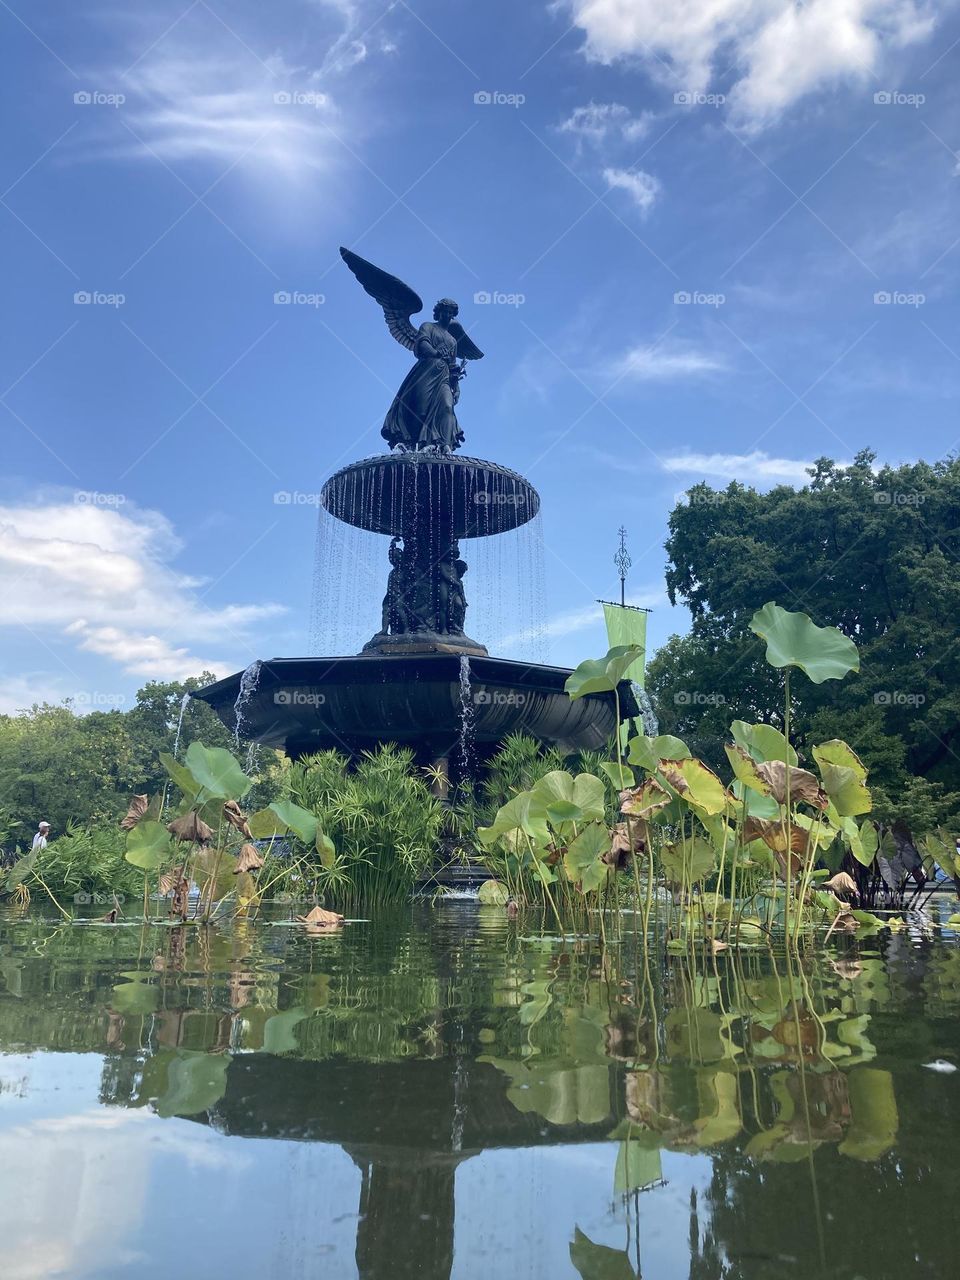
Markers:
point(750, 468)
point(780, 51)
point(642, 188)
point(598, 123)
point(664, 361)
point(102, 575)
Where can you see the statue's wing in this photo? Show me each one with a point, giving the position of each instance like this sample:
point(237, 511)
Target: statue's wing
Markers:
point(398, 300)
point(466, 349)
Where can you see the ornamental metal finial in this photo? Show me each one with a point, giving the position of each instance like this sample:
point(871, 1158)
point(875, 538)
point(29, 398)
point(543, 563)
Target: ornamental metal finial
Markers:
point(623, 562)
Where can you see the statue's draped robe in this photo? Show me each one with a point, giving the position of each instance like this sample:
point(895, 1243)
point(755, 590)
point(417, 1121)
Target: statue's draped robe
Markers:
point(422, 410)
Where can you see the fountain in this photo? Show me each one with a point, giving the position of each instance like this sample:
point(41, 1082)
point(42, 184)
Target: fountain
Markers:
point(407, 684)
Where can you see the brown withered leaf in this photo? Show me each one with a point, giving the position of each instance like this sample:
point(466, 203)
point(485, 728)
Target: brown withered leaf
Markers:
point(138, 807)
point(804, 785)
point(773, 833)
point(190, 828)
point(644, 800)
point(169, 881)
point(237, 818)
point(318, 919)
point(842, 885)
point(626, 838)
point(248, 859)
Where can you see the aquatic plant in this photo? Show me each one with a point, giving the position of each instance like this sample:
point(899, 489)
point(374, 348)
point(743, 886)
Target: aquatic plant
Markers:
point(735, 859)
point(380, 815)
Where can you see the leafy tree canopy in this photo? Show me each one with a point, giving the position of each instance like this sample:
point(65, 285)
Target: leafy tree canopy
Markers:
point(875, 552)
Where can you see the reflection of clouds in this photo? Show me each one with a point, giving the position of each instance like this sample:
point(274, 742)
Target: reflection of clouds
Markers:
point(84, 1180)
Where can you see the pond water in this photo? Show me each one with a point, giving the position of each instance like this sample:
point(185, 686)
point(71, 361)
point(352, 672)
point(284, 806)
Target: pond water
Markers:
point(443, 1093)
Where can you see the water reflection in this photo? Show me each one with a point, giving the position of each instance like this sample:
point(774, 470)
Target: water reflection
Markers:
point(437, 1094)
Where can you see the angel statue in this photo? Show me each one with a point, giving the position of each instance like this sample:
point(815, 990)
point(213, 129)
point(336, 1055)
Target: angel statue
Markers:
point(422, 414)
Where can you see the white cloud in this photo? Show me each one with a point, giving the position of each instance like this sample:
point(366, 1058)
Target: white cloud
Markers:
point(663, 361)
point(749, 468)
point(778, 50)
point(643, 188)
point(102, 575)
point(600, 122)
point(225, 105)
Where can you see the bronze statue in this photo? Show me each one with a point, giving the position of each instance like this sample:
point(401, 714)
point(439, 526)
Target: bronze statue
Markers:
point(422, 414)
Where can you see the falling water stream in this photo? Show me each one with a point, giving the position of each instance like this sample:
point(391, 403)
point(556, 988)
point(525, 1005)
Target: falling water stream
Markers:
point(184, 703)
point(467, 720)
point(248, 686)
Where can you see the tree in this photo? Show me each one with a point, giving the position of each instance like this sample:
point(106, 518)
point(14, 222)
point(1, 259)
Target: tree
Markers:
point(873, 552)
point(62, 767)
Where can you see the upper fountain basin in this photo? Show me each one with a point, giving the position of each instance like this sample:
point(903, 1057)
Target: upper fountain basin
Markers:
point(463, 497)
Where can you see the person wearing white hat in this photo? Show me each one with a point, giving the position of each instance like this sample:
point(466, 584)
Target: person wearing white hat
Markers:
point(40, 839)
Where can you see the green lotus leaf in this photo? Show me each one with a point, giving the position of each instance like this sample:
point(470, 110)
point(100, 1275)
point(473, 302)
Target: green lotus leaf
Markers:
point(763, 742)
point(148, 843)
point(597, 1261)
point(215, 770)
point(691, 864)
point(603, 675)
point(181, 776)
point(794, 640)
point(586, 791)
point(301, 822)
point(493, 894)
point(647, 752)
point(325, 848)
point(837, 752)
point(846, 790)
point(582, 858)
point(697, 785)
point(278, 1031)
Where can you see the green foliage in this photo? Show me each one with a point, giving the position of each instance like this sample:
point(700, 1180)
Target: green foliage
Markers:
point(875, 553)
point(382, 818)
point(81, 769)
point(91, 863)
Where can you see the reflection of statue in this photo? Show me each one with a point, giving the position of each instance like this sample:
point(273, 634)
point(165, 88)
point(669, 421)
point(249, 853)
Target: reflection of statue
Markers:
point(422, 414)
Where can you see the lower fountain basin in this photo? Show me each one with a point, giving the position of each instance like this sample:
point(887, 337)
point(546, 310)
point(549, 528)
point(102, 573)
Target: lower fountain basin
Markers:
point(352, 704)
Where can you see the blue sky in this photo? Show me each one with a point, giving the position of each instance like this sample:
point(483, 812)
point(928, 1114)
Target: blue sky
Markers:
point(588, 163)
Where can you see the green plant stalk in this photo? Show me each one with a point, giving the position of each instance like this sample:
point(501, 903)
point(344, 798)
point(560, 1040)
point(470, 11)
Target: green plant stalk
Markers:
point(789, 816)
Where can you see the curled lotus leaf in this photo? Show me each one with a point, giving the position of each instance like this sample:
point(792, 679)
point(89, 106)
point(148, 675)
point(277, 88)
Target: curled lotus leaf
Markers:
point(248, 859)
point(763, 742)
point(803, 785)
point(318, 919)
point(794, 640)
point(697, 784)
point(136, 810)
point(237, 818)
point(647, 799)
point(836, 751)
point(190, 829)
